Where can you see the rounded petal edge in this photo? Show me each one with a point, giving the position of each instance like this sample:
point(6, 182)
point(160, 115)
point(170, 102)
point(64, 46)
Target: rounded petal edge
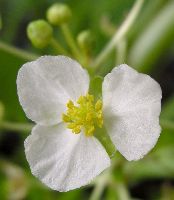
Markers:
point(132, 105)
point(45, 85)
point(74, 161)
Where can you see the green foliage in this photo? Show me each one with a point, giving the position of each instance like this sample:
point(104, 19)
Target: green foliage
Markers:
point(146, 46)
point(8, 94)
point(151, 43)
point(168, 109)
point(2, 110)
point(3, 186)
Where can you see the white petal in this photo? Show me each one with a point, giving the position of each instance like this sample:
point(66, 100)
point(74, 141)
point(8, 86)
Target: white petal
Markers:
point(62, 160)
point(132, 104)
point(45, 85)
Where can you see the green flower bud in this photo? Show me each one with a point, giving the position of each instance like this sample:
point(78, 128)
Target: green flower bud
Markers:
point(58, 13)
point(40, 33)
point(85, 40)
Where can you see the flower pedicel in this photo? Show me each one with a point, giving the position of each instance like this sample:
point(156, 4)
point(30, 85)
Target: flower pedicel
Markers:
point(62, 150)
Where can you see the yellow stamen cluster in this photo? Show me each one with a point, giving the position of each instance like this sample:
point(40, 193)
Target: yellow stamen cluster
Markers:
point(85, 115)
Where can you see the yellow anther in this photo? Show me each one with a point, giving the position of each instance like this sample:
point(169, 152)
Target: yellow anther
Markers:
point(65, 118)
point(80, 100)
point(71, 125)
point(89, 132)
point(89, 117)
point(90, 97)
point(70, 104)
point(85, 116)
point(100, 123)
point(100, 116)
point(77, 130)
point(98, 105)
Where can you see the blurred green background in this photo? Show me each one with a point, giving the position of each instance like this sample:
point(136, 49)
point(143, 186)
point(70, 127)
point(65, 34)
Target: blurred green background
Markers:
point(148, 47)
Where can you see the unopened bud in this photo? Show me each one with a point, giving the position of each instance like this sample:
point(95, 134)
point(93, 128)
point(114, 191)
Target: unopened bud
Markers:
point(40, 33)
point(85, 40)
point(58, 13)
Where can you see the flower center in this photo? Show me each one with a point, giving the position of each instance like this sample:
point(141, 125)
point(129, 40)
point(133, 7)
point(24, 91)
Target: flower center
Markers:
point(86, 115)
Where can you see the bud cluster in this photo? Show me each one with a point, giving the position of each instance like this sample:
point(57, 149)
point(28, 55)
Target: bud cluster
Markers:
point(40, 32)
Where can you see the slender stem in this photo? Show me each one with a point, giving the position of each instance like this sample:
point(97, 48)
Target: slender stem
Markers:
point(123, 30)
point(58, 47)
point(106, 141)
point(17, 52)
point(70, 41)
point(103, 180)
point(22, 127)
point(122, 191)
point(100, 185)
point(121, 52)
point(166, 124)
point(86, 57)
point(96, 194)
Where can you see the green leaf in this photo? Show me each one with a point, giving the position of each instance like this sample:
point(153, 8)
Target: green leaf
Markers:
point(168, 109)
point(8, 93)
point(149, 46)
point(72, 195)
point(166, 138)
point(36, 193)
point(167, 192)
point(149, 11)
point(4, 186)
point(159, 164)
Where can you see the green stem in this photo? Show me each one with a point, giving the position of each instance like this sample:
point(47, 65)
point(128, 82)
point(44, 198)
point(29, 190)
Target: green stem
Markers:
point(121, 33)
point(22, 127)
point(96, 194)
point(17, 52)
point(86, 57)
point(99, 186)
point(121, 52)
point(58, 47)
point(103, 180)
point(106, 141)
point(70, 41)
point(122, 191)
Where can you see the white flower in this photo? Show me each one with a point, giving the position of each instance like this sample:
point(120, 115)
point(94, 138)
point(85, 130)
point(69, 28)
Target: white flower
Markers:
point(50, 88)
